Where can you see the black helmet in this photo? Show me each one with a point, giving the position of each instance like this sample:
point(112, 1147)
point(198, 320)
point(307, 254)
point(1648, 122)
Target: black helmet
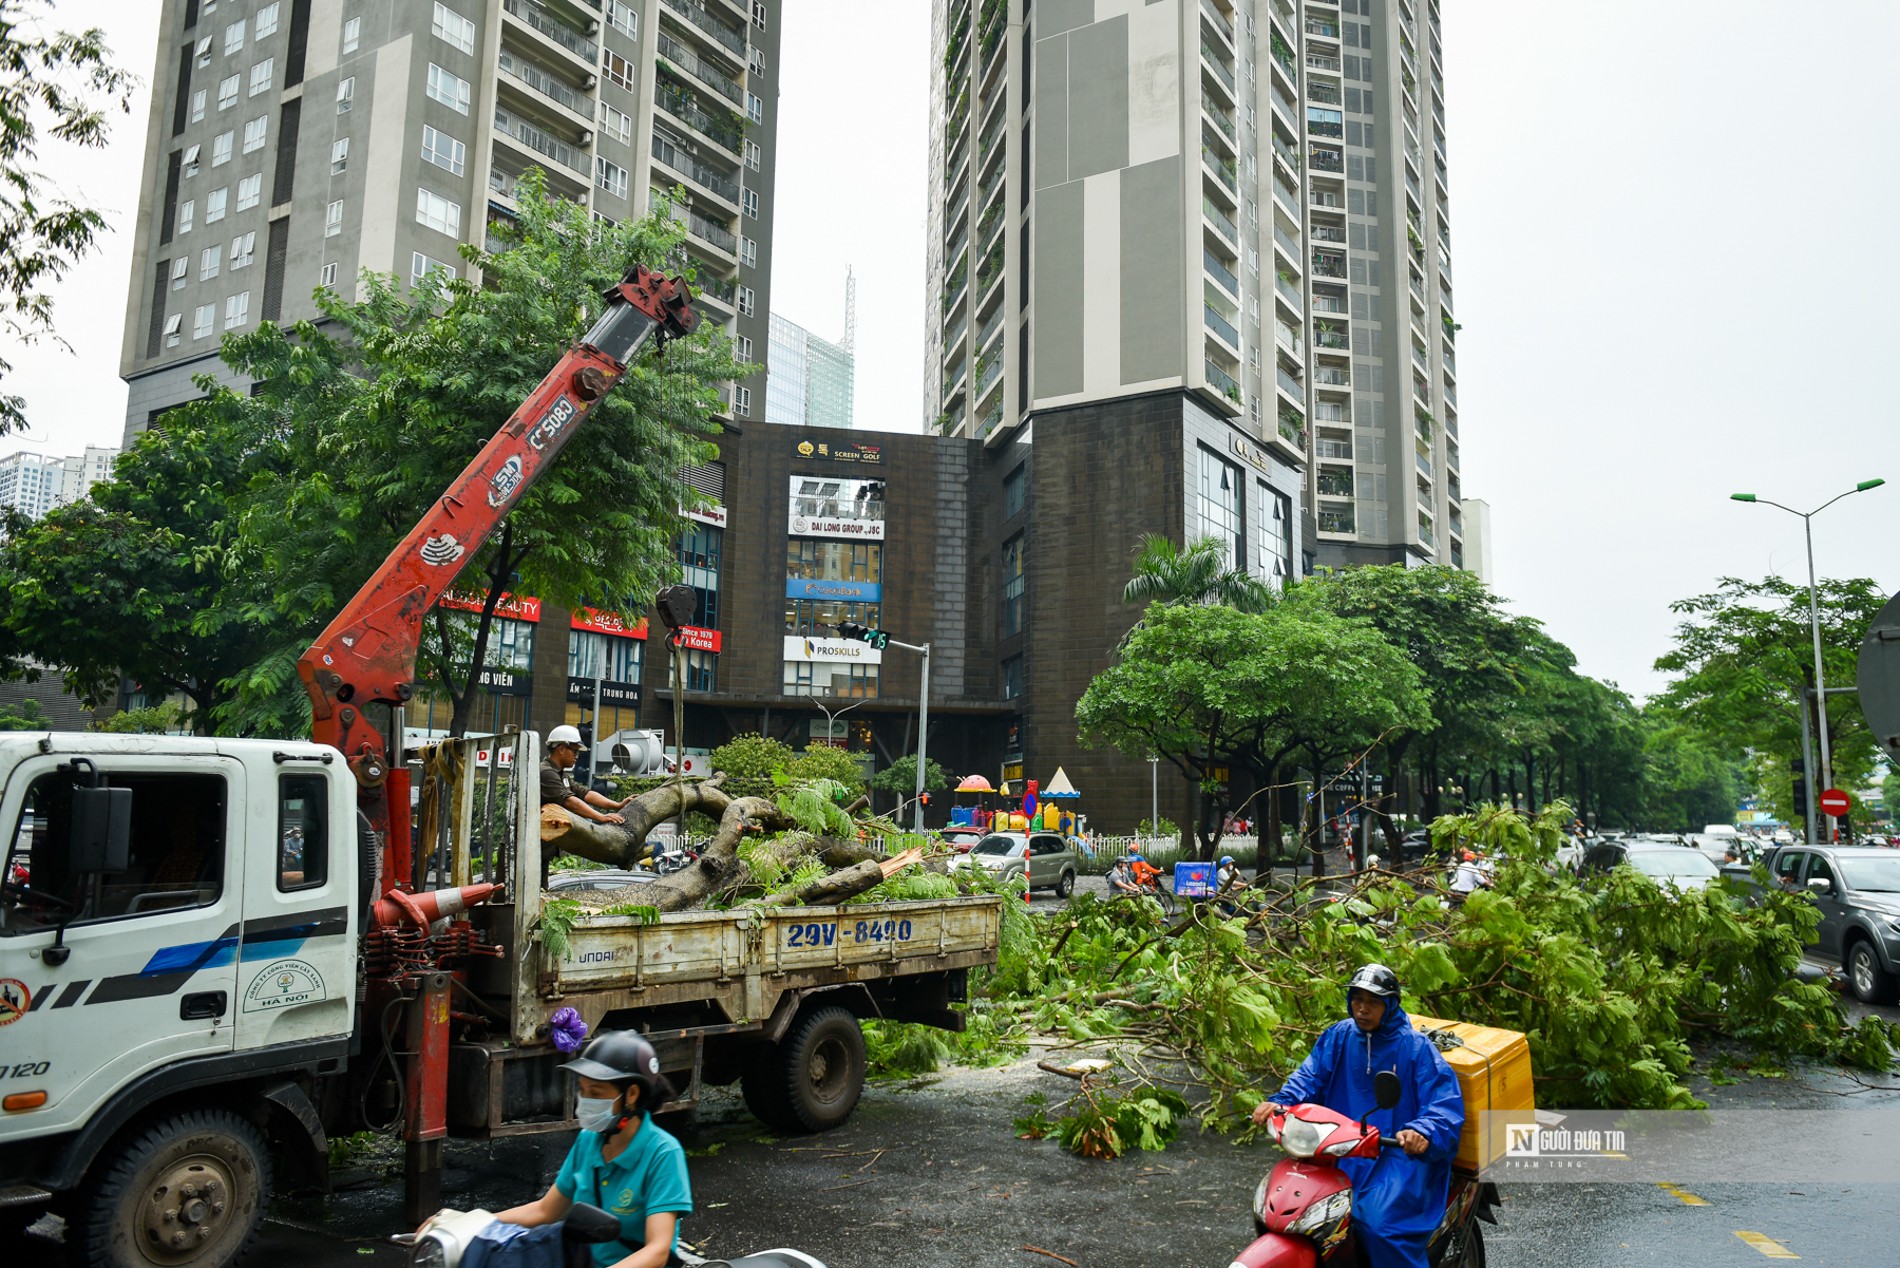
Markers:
point(623, 1057)
point(1374, 979)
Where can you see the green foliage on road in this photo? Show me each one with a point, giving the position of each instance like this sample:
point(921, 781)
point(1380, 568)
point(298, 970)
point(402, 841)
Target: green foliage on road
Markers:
point(1742, 653)
point(62, 82)
point(1612, 980)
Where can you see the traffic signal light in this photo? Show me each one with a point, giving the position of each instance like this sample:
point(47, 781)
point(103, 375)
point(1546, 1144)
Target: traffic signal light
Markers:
point(863, 633)
point(1800, 769)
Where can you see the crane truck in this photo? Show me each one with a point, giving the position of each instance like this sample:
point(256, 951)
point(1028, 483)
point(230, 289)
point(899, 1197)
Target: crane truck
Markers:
point(216, 954)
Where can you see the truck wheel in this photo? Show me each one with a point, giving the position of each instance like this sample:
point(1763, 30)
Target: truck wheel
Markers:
point(187, 1190)
point(764, 1089)
point(1871, 983)
point(821, 1069)
point(1066, 885)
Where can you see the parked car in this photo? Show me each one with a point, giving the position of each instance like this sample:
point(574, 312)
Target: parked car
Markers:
point(1048, 858)
point(1668, 865)
point(962, 837)
point(1858, 891)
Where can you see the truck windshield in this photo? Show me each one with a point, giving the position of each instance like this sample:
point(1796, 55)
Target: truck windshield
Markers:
point(1880, 876)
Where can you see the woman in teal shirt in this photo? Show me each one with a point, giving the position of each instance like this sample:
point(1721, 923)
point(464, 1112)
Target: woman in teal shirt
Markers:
point(622, 1162)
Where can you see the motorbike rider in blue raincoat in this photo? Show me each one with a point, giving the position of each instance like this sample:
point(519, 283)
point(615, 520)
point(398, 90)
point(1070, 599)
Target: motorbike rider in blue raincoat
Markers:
point(1397, 1202)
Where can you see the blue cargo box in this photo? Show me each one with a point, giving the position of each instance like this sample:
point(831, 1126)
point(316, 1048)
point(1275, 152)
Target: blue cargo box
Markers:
point(1193, 880)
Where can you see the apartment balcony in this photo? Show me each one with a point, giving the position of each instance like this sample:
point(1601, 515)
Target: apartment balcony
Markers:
point(1222, 72)
point(1322, 61)
point(989, 329)
point(1336, 518)
point(709, 285)
point(1220, 273)
point(1223, 119)
point(1223, 170)
point(544, 143)
point(991, 144)
point(987, 425)
point(683, 104)
point(721, 32)
point(1331, 337)
point(1324, 303)
point(1325, 198)
point(707, 178)
point(988, 227)
point(1287, 339)
point(1288, 291)
point(1422, 391)
point(954, 382)
point(953, 335)
point(1289, 436)
point(1423, 463)
point(711, 231)
point(1222, 25)
point(956, 249)
point(1325, 159)
point(545, 85)
point(1322, 93)
point(958, 282)
point(1329, 264)
point(547, 25)
point(1334, 482)
point(1218, 218)
point(1290, 385)
point(990, 271)
point(1282, 56)
point(1332, 447)
point(1425, 535)
point(956, 166)
point(990, 370)
point(1332, 376)
point(1286, 243)
point(991, 184)
point(1324, 28)
point(1221, 327)
point(687, 61)
point(1287, 194)
point(1221, 381)
point(1327, 233)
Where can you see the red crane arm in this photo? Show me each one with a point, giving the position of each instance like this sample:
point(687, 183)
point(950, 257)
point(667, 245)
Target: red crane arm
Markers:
point(368, 653)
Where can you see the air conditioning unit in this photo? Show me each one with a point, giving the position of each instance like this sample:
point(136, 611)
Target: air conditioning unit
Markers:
point(587, 138)
point(588, 82)
point(631, 753)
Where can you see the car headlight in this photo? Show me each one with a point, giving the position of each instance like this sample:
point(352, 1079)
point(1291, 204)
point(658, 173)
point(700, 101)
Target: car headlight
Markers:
point(1323, 1214)
point(1303, 1139)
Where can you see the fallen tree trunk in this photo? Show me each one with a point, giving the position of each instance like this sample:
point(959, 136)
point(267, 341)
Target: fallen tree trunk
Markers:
point(716, 865)
point(840, 885)
point(623, 844)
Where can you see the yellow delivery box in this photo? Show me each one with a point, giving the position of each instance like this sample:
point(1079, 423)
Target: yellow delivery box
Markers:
point(1494, 1073)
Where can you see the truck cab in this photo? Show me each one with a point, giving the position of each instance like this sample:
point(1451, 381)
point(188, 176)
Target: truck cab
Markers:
point(179, 913)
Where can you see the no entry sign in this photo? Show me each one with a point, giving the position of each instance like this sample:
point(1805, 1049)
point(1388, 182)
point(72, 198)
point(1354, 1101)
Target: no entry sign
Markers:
point(1835, 803)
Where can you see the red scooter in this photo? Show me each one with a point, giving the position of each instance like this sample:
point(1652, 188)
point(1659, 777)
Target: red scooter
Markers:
point(1302, 1210)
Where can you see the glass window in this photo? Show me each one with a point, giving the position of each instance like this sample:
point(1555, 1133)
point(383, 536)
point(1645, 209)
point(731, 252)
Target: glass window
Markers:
point(755, 107)
point(615, 124)
point(267, 20)
point(701, 670)
point(510, 643)
point(1015, 490)
point(176, 858)
point(234, 38)
point(243, 247)
point(818, 618)
point(181, 270)
point(820, 498)
point(256, 132)
point(420, 266)
point(303, 832)
point(1218, 503)
point(198, 106)
point(1276, 536)
point(172, 325)
point(227, 92)
point(204, 318)
point(830, 678)
point(204, 52)
point(622, 18)
point(208, 260)
point(189, 165)
point(705, 608)
point(438, 213)
point(262, 75)
point(454, 28)
point(345, 94)
point(612, 657)
point(215, 204)
point(611, 177)
point(619, 70)
point(1012, 678)
point(1013, 583)
point(699, 550)
point(451, 90)
point(834, 561)
point(187, 215)
point(339, 156)
point(221, 148)
point(250, 190)
point(749, 202)
point(352, 34)
point(333, 219)
point(237, 310)
point(326, 276)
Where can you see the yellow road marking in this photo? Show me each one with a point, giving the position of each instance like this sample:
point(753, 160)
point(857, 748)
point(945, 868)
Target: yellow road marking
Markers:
point(1681, 1195)
point(1766, 1245)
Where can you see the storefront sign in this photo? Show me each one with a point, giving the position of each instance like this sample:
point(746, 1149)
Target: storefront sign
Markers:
point(596, 621)
point(713, 514)
point(516, 607)
point(1013, 770)
point(1250, 453)
point(505, 682)
point(837, 649)
point(852, 452)
point(860, 530)
point(694, 639)
point(847, 591)
point(613, 695)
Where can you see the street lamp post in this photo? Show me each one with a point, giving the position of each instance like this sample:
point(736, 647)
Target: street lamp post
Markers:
point(1814, 613)
point(1154, 796)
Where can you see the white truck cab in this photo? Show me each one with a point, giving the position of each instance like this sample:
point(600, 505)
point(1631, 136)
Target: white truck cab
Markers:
point(178, 913)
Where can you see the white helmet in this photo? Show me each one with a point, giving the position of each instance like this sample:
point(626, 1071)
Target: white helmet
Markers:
point(565, 735)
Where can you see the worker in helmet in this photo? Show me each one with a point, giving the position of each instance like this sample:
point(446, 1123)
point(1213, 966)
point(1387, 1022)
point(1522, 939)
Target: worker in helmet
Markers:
point(564, 749)
point(622, 1162)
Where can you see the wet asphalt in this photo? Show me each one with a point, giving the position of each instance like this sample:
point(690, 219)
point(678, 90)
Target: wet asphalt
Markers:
point(929, 1174)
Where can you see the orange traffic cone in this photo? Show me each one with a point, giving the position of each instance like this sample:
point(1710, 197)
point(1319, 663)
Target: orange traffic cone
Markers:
point(397, 907)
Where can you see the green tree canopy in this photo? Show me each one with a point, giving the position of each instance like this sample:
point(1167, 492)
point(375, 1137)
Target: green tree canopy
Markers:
point(1201, 573)
point(62, 81)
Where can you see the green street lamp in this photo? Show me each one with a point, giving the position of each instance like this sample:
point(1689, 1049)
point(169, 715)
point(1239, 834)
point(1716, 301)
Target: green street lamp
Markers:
point(1814, 619)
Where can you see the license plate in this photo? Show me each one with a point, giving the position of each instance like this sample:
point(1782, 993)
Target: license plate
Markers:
point(829, 933)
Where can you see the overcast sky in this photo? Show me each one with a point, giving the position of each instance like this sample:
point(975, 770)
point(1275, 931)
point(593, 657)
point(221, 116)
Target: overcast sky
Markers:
point(1674, 253)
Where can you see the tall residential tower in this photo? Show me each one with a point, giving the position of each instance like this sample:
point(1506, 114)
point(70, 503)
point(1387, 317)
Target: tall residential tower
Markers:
point(293, 143)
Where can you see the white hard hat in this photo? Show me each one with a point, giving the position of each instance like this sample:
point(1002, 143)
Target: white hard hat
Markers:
point(564, 735)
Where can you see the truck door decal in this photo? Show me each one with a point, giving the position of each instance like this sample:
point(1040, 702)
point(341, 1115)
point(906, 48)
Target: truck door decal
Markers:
point(267, 937)
point(70, 996)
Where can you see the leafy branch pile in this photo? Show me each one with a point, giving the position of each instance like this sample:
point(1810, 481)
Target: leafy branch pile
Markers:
point(1612, 981)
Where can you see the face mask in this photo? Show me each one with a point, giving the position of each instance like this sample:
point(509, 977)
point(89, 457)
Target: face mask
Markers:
point(596, 1113)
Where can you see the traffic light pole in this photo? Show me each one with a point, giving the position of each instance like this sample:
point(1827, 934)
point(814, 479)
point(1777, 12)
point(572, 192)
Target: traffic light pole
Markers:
point(1808, 769)
point(923, 729)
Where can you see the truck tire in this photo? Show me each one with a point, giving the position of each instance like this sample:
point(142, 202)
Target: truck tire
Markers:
point(820, 1071)
point(189, 1189)
point(1870, 983)
point(764, 1089)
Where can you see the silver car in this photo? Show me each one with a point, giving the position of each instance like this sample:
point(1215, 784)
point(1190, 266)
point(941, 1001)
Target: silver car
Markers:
point(1048, 858)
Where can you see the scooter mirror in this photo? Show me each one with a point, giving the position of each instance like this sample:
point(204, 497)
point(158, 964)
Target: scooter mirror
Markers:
point(1386, 1089)
point(589, 1224)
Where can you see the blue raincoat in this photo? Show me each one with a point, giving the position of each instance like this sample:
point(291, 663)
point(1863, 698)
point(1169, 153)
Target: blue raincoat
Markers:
point(1398, 1200)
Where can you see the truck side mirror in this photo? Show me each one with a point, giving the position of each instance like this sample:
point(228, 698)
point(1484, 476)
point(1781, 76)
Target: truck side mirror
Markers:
point(1386, 1089)
point(1820, 884)
point(101, 839)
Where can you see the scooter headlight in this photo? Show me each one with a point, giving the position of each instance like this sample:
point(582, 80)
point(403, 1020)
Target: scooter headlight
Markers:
point(1260, 1202)
point(428, 1252)
point(445, 1236)
point(1323, 1214)
point(1303, 1139)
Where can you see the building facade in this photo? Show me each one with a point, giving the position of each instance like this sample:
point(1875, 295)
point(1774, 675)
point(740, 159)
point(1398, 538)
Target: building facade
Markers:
point(810, 382)
point(294, 143)
point(34, 484)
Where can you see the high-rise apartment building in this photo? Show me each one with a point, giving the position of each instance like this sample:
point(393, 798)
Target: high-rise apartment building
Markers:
point(294, 143)
point(809, 380)
point(34, 484)
point(1240, 202)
